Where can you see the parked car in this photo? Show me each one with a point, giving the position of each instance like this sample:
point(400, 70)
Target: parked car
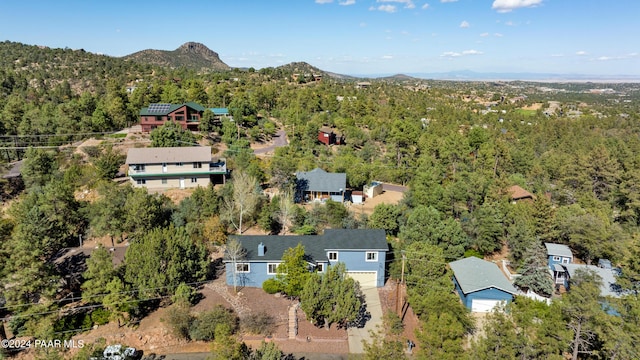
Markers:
point(118, 352)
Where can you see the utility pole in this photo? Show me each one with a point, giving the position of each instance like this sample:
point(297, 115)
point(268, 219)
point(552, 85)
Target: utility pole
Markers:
point(399, 285)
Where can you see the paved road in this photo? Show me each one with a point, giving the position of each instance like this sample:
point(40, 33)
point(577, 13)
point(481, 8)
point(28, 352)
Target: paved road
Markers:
point(279, 140)
point(374, 307)
point(202, 356)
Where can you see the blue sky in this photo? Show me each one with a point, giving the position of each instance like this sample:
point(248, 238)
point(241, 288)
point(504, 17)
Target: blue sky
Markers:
point(355, 37)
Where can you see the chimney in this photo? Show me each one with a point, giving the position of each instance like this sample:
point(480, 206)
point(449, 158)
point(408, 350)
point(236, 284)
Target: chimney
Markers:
point(261, 249)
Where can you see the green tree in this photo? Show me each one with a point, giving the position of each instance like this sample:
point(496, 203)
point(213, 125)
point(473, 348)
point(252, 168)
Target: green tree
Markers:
point(331, 297)
point(293, 271)
point(171, 134)
point(267, 351)
point(108, 163)
point(535, 272)
point(144, 211)
point(582, 312)
point(107, 215)
point(426, 224)
point(162, 259)
point(386, 216)
point(39, 167)
point(487, 228)
point(120, 300)
point(100, 271)
point(500, 339)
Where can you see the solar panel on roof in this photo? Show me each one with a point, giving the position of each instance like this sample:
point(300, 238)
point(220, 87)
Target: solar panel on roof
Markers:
point(158, 108)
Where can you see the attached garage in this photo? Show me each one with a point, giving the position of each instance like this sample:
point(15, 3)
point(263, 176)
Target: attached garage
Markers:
point(480, 284)
point(483, 305)
point(367, 279)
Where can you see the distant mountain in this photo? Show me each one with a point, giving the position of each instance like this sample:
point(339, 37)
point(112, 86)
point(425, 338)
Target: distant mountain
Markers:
point(467, 75)
point(399, 77)
point(302, 67)
point(191, 55)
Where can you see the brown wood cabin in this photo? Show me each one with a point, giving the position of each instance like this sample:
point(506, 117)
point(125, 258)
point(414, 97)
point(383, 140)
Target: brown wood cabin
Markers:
point(327, 136)
point(188, 115)
point(519, 194)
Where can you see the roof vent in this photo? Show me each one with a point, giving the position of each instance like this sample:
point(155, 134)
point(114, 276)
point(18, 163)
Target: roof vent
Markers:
point(261, 249)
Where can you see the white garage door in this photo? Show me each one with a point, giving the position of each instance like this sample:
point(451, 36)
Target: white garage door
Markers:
point(484, 305)
point(367, 279)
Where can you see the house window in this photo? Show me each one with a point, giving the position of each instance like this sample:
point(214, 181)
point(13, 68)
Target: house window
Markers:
point(556, 258)
point(272, 268)
point(164, 181)
point(141, 181)
point(194, 180)
point(179, 118)
point(565, 260)
point(138, 167)
point(371, 256)
point(333, 255)
point(197, 165)
point(158, 118)
point(320, 268)
point(179, 164)
point(242, 267)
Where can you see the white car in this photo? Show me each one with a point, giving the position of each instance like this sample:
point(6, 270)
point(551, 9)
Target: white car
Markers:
point(117, 352)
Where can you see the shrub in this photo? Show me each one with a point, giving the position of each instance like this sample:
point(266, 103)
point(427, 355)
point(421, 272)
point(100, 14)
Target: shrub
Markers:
point(260, 323)
point(100, 316)
point(204, 326)
point(271, 286)
point(179, 320)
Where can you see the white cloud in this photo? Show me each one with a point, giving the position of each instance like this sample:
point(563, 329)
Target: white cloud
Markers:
point(504, 6)
point(605, 58)
point(464, 24)
point(447, 1)
point(425, 6)
point(408, 4)
point(484, 34)
point(581, 53)
point(386, 8)
point(387, 57)
point(324, 1)
point(498, 35)
point(347, 2)
point(510, 23)
point(452, 54)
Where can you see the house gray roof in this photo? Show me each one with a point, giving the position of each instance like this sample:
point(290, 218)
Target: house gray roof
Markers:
point(14, 172)
point(320, 180)
point(474, 274)
point(315, 246)
point(558, 250)
point(168, 155)
point(608, 287)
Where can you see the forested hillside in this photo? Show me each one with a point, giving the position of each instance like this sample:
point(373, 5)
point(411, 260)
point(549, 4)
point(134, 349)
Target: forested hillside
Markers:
point(458, 146)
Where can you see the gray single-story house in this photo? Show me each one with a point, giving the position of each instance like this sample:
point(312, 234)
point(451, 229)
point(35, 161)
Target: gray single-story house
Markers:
point(363, 251)
point(480, 284)
point(319, 185)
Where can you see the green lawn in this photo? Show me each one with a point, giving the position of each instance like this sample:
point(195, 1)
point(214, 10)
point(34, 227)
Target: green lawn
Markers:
point(526, 112)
